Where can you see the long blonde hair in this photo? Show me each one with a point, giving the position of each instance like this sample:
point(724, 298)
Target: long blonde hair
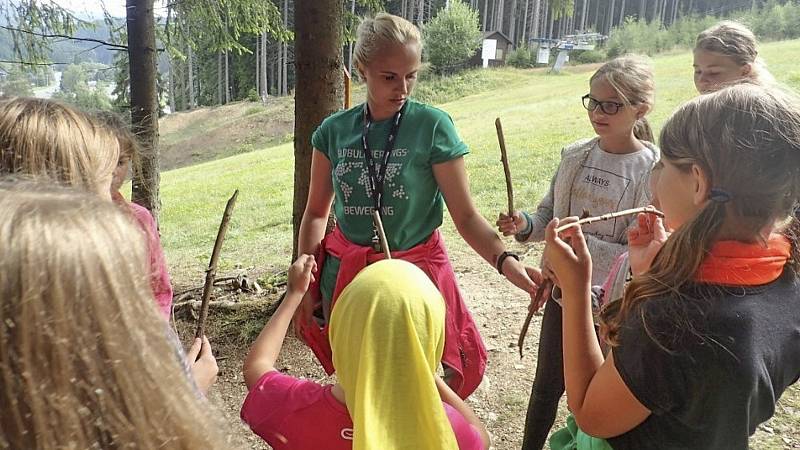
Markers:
point(631, 77)
point(85, 358)
point(374, 34)
point(746, 140)
point(736, 41)
point(48, 139)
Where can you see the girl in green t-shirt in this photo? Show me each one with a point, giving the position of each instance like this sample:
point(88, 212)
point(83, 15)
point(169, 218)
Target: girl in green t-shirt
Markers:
point(405, 159)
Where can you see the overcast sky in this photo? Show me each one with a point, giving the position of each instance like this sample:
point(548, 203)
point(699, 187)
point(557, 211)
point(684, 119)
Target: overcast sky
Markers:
point(94, 9)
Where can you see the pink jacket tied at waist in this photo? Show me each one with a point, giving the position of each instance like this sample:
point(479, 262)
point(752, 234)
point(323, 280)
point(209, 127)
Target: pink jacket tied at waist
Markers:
point(464, 351)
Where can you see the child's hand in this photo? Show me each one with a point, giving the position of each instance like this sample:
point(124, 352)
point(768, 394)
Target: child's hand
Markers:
point(202, 364)
point(510, 225)
point(645, 241)
point(567, 255)
point(300, 274)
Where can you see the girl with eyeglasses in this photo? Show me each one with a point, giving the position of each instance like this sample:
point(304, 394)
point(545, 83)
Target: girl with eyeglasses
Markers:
point(608, 172)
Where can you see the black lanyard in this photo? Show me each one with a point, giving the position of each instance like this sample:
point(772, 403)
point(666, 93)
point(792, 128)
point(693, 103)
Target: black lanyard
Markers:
point(376, 178)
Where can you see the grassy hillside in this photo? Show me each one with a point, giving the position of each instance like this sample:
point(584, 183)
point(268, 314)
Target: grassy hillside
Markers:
point(540, 114)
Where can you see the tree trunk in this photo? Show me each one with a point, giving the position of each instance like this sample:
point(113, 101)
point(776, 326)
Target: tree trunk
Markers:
point(144, 103)
point(278, 69)
point(258, 65)
point(264, 62)
point(227, 79)
point(500, 13)
point(642, 10)
point(219, 79)
point(512, 31)
point(350, 46)
point(610, 18)
point(171, 85)
point(536, 18)
point(318, 63)
point(190, 64)
point(285, 62)
point(485, 15)
point(525, 24)
point(597, 26)
point(583, 16)
point(621, 14)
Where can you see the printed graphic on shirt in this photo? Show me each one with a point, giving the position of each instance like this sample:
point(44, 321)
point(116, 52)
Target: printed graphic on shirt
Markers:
point(412, 204)
point(607, 182)
point(351, 176)
point(346, 434)
point(601, 191)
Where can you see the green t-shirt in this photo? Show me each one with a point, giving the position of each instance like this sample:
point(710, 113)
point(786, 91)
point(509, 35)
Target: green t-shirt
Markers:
point(412, 202)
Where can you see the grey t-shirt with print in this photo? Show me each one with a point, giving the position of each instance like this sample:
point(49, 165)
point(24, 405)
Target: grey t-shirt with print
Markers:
point(606, 182)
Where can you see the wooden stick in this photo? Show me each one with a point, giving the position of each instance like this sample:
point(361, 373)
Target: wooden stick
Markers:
point(376, 217)
point(211, 272)
point(506, 169)
point(346, 89)
point(611, 215)
point(547, 285)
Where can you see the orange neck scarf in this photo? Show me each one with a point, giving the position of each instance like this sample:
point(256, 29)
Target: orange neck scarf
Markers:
point(735, 263)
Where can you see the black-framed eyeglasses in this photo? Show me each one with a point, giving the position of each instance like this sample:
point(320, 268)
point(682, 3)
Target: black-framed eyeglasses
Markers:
point(608, 107)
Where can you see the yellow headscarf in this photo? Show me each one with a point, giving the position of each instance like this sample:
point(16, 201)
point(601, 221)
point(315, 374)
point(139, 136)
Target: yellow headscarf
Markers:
point(387, 336)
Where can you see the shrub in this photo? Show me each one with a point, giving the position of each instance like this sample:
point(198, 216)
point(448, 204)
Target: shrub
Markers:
point(438, 89)
point(587, 56)
point(635, 36)
point(451, 37)
point(252, 95)
point(522, 57)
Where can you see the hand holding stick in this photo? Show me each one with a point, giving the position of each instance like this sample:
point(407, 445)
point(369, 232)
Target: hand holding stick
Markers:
point(611, 215)
point(506, 170)
point(547, 285)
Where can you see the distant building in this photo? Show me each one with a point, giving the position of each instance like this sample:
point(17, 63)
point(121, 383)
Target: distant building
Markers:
point(494, 48)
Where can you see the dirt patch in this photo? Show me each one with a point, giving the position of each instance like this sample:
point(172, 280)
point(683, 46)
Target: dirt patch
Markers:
point(206, 134)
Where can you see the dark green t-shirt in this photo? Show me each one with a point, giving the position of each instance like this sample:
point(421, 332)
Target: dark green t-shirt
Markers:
point(412, 202)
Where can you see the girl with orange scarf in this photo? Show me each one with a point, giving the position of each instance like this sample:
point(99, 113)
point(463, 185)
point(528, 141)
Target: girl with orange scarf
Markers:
point(705, 341)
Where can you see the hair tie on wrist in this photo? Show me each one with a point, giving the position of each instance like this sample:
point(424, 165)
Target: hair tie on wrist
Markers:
point(502, 258)
point(719, 195)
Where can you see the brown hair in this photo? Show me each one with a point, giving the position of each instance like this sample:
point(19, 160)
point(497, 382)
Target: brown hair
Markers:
point(46, 138)
point(737, 42)
point(128, 144)
point(631, 76)
point(746, 140)
point(86, 360)
point(374, 34)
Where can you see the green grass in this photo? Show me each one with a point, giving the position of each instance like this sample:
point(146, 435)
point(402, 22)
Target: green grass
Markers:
point(540, 114)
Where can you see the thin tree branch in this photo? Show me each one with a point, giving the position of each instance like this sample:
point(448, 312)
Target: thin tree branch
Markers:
point(29, 63)
point(111, 46)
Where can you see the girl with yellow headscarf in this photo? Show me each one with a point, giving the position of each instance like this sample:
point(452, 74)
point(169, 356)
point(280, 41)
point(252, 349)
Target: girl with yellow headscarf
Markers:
point(387, 336)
